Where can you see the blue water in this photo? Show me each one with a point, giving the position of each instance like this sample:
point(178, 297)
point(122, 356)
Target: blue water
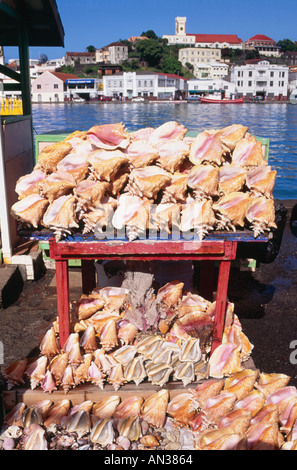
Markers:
point(278, 122)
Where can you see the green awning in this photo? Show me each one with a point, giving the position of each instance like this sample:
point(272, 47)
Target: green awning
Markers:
point(197, 92)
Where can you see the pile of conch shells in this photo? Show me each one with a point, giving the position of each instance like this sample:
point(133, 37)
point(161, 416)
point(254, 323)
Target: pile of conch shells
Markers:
point(247, 411)
point(107, 181)
point(106, 347)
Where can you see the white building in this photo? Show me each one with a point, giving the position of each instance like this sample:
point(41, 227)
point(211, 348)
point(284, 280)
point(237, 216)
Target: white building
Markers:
point(211, 70)
point(292, 78)
point(144, 84)
point(219, 41)
point(207, 86)
point(194, 55)
point(114, 53)
point(261, 78)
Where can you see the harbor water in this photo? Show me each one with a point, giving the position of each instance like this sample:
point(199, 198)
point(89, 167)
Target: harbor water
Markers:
point(276, 121)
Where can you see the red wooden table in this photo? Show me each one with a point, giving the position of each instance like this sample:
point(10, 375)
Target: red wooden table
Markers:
point(223, 251)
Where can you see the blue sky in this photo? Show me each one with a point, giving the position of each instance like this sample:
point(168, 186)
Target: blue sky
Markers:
point(98, 23)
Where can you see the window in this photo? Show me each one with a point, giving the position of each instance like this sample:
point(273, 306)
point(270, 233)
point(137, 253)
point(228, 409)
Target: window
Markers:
point(271, 83)
point(38, 87)
point(249, 83)
point(250, 74)
point(56, 85)
point(271, 74)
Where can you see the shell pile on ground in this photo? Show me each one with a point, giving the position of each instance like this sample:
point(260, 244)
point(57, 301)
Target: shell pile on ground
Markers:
point(155, 179)
point(112, 341)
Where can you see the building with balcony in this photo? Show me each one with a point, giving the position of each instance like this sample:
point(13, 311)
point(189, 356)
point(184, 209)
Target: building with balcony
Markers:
point(150, 85)
point(195, 55)
point(260, 78)
point(212, 70)
point(264, 45)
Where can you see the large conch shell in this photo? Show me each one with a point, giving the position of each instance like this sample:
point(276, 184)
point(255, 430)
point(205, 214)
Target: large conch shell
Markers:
point(106, 164)
point(109, 136)
point(248, 152)
point(57, 184)
point(51, 155)
point(203, 180)
point(207, 147)
point(154, 408)
point(147, 182)
point(231, 210)
point(133, 214)
point(61, 216)
point(29, 184)
point(30, 210)
point(261, 215)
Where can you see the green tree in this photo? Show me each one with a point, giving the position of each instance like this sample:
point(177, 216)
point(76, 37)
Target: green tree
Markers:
point(91, 49)
point(150, 34)
point(287, 45)
point(150, 51)
point(171, 65)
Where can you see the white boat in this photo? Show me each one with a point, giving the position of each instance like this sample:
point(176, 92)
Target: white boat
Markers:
point(293, 97)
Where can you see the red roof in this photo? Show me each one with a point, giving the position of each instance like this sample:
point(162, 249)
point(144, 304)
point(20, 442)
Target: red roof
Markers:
point(172, 75)
point(64, 76)
point(261, 37)
point(230, 38)
point(80, 54)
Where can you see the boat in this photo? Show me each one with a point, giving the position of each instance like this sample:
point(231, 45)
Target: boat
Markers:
point(214, 99)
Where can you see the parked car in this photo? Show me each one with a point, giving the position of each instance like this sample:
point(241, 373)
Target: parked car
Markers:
point(193, 98)
point(138, 99)
point(104, 98)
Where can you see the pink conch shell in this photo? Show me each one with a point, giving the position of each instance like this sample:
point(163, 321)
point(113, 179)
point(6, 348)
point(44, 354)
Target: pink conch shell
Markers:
point(75, 163)
point(88, 341)
point(261, 215)
point(80, 374)
point(61, 216)
point(140, 153)
point(167, 131)
point(281, 397)
point(50, 156)
point(155, 407)
point(72, 347)
point(131, 406)
point(114, 297)
point(270, 383)
point(109, 136)
point(108, 335)
point(230, 135)
point(252, 402)
point(56, 184)
point(141, 134)
point(85, 307)
point(28, 184)
point(198, 216)
point(56, 413)
point(234, 334)
point(126, 331)
point(237, 421)
point(217, 407)
point(92, 192)
point(248, 152)
point(57, 366)
point(172, 154)
point(231, 178)
point(231, 210)
point(30, 210)
point(166, 217)
point(48, 383)
point(183, 407)
point(225, 360)
point(171, 293)
point(208, 389)
point(263, 437)
point(49, 345)
point(260, 180)
point(132, 213)
point(267, 414)
point(176, 191)
point(241, 383)
point(218, 439)
point(96, 376)
point(105, 164)
point(116, 376)
point(15, 416)
point(36, 371)
point(147, 182)
point(106, 408)
point(203, 180)
point(207, 147)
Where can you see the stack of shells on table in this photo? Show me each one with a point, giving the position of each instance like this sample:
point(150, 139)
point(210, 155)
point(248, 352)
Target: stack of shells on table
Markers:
point(152, 179)
point(232, 408)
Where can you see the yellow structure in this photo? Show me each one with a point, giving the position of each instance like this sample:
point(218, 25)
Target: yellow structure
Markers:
point(11, 106)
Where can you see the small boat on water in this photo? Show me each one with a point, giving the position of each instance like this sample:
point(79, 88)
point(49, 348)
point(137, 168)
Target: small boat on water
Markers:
point(215, 99)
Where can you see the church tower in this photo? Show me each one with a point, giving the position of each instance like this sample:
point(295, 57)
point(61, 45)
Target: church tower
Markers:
point(180, 25)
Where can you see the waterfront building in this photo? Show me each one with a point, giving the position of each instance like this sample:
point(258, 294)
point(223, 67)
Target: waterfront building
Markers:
point(260, 78)
point(86, 88)
point(292, 78)
point(195, 55)
point(81, 58)
point(145, 84)
point(50, 87)
point(218, 41)
point(264, 45)
point(212, 70)
point(114, 53)
point(208, 86)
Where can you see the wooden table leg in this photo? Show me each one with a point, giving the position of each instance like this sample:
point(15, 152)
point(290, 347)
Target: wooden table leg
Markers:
point(221, 302)
point(62, 288)
point(88, 275)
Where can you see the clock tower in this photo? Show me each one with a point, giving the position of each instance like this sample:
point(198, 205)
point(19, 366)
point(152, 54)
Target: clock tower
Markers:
point(180, 25)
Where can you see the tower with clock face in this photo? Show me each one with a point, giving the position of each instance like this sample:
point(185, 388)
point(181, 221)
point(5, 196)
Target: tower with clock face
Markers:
point(180, 25)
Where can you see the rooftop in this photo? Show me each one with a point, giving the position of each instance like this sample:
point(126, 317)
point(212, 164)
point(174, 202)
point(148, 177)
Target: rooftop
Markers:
point(230, 38)
point(64, 76)
point(261, 37)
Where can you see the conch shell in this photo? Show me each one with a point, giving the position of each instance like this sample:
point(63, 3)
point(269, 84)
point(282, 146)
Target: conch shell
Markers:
point(155, 407)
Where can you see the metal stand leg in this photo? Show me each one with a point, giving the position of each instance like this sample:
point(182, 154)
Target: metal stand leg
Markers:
point(88, 275)
point(221, 302)
point(62, 287)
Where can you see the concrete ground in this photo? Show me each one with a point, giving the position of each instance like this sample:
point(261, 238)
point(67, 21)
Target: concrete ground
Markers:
point(265, 302)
